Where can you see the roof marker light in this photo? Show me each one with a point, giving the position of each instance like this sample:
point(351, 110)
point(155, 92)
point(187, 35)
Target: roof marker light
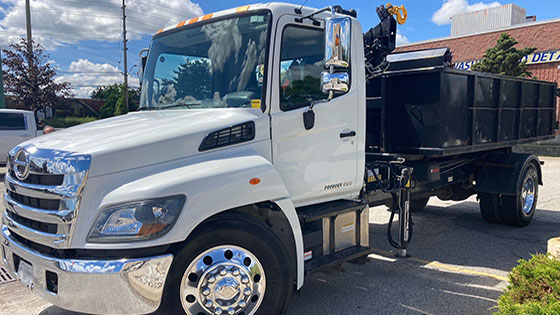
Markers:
point(207, 17)
point(193, 20)
point(242, 9)
point(181, 23)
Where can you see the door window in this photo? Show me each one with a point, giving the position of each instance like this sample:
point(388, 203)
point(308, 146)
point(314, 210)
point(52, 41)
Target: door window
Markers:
point(301, 64)
point(12, 121)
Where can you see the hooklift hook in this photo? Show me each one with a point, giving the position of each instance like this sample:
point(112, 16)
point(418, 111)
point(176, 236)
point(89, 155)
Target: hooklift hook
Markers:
point(399, 12)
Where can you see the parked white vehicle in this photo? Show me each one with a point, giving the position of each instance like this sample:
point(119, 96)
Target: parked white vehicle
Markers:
point(16, 126)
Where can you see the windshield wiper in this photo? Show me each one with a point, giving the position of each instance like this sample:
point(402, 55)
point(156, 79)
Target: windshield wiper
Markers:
point(143, 108)
point(187, 105)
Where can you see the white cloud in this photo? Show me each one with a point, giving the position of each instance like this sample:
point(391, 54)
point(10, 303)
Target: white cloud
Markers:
point(401, 39)
point(86, 75)
point(58, 22)
point(452, 7)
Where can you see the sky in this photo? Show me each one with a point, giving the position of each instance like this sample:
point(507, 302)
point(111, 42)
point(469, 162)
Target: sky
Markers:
point(84, 37)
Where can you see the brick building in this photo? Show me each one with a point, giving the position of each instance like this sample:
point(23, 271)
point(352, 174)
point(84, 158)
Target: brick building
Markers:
point(467, 49)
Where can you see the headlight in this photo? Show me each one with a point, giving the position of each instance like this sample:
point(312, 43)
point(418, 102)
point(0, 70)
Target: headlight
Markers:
point(137, 221)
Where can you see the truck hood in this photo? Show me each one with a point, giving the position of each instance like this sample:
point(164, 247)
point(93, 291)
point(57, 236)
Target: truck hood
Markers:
point(144, 138)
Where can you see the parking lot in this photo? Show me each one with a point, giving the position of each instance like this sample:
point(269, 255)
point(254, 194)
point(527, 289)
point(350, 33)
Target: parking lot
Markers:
point(458, 264)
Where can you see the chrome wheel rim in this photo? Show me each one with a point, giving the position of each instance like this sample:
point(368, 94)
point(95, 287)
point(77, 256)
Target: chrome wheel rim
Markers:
point(225, 279)
point(528, 195)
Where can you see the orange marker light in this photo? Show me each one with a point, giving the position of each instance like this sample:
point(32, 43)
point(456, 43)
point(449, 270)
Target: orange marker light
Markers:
point(207, 17)
point(254, 181)
point(242, 9)
point(193, 20)
point(161, 30)
point(181, 23)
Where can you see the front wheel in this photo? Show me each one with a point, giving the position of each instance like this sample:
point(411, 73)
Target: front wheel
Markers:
point(238, 269)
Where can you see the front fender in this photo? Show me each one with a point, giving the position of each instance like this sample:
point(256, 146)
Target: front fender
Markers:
point(211, 187)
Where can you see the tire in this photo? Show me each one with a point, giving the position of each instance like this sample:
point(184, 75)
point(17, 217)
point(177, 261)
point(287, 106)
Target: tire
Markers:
point(519, 210)
point(417, 205)
point(230, 246)
point(490, 207)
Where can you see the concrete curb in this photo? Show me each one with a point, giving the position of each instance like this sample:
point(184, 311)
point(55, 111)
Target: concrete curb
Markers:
point(554, 247)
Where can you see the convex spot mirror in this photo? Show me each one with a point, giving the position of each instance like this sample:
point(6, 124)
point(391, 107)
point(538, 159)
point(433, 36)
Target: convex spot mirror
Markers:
point(334, 82)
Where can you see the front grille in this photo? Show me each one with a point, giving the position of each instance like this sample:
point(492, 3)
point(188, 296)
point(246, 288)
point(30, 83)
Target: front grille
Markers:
point(42, 179)
point(41, 209)
point(32, 224)
point(46, 204)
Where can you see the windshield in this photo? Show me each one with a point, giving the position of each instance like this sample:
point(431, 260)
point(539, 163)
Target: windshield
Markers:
point(215, 65)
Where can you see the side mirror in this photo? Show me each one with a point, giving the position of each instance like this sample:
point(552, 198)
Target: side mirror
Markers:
point(337, 42)
point(142, 58)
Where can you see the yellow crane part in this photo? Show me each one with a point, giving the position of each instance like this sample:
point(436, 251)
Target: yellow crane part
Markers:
point(398, 12)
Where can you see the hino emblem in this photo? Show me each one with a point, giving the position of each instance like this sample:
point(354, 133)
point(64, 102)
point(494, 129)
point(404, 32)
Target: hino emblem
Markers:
point(21, 164)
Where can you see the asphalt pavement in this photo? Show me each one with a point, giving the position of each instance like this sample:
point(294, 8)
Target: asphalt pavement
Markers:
point(459, 264)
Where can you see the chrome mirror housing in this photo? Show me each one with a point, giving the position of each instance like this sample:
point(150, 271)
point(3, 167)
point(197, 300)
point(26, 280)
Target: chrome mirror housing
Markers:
point(334, 82)
point(142, 58)
point(337, 42)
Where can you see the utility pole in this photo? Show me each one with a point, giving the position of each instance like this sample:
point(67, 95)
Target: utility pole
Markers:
point(125, 53)
point(2, 101)
point(28, 24)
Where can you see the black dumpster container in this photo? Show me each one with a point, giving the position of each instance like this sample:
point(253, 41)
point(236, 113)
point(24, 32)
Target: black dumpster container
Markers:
point(438, 111)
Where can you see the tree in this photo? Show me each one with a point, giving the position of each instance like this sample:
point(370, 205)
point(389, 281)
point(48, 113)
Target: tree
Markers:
point(113, 95)
point(193, 78)
point(504, 58)
point(30, 78)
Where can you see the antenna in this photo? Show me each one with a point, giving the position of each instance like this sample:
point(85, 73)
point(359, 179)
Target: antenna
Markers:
point(298, 11)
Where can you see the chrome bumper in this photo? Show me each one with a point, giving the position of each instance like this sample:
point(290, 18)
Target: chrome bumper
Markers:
point(122, 286)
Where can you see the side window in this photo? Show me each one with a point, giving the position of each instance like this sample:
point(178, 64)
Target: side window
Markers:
point(12, 121)
point(301, 64)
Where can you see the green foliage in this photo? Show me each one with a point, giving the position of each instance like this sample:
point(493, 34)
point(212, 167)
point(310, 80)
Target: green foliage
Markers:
point(113, 95)
point(65, 122)
point(504, 58)
point(534, 288)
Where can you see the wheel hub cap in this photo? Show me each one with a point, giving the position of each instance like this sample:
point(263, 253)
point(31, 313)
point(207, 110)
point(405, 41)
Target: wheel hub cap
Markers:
point(223, 280)
point(528, 195)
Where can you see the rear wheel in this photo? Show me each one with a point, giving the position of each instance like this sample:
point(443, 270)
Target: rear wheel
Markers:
point(238, 269)
point(490, 207)
point(417, 205)
point(519, 210)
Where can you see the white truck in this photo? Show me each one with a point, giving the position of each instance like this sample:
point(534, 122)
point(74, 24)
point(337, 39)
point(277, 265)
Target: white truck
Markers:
point(264, 134)
point(15, 126)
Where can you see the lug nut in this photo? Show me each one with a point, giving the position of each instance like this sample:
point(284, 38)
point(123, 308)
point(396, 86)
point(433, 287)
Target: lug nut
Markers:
point(223, 272)
point(208, 303)
point(242, 303)
point(247, 291)
point(205, 291)
point(211, 279)
point(245, 279)
point(235, 272)
point(218, 311)
point(231, 311)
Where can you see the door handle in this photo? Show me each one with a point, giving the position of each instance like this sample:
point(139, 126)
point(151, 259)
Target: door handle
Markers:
point(347, 134)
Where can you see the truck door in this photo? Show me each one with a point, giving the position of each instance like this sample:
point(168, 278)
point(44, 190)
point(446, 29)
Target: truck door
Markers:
point(319, 164)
